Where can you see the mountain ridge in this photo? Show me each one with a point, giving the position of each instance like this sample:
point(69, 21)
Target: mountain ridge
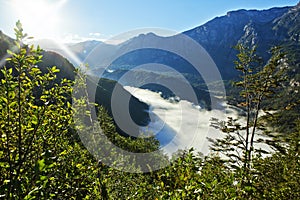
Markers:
point(218, 37)
point(221, 34)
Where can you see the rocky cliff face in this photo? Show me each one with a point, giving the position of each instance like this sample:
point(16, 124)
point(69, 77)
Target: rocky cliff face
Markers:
point(219, 35)
point(264, 28)
point(288, 25)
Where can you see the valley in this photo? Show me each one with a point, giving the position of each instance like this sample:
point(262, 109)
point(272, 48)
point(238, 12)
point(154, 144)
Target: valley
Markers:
point(207, 112)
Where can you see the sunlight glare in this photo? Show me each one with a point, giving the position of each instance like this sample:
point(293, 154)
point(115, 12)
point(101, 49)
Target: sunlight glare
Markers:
point(40, 18)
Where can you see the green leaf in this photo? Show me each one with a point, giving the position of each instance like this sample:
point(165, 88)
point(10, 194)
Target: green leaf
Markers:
point(12, 104)
point(54, 69)
point(34, 120)
point(4, 99)
point(10, 71)
point(12, 95)
point(41, 164)
point(9, 52)
point(42, 178)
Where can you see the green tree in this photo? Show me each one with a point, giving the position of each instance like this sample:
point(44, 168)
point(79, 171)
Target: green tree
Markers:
point(39, 157)
point(258, 82)
point(277, 176)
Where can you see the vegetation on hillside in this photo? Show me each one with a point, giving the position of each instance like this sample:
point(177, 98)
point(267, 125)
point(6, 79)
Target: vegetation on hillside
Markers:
point(42, 157)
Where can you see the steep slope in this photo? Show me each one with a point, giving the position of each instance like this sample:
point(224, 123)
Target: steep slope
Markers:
point(49, 59)
point(266, 28)
point(219, 35)
point(138, 110)
point(288, 26)
point(5, 43)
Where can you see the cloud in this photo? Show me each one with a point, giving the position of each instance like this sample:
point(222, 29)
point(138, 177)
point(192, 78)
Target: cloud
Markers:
point(75, 38)
point(95, 34)
point(179, 125)
point(182, 125)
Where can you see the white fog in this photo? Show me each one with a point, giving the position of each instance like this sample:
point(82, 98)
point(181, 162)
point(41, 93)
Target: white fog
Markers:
point(181, 125)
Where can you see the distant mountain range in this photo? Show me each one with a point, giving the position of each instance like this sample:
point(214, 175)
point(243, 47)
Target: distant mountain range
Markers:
point(266, 28)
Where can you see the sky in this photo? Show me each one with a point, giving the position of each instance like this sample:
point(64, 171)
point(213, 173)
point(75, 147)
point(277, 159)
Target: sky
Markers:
point(75, 20)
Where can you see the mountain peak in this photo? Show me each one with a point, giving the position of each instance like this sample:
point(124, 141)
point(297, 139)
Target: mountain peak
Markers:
point(233, 12)
point(259, 15)
point(296, 7)
point(142, 38)
point(149, 34)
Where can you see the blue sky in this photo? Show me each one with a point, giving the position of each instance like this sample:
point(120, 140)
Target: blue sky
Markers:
point(101, 19)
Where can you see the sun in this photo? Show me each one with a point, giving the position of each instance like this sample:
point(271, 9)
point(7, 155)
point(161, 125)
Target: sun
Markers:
point(40, 18)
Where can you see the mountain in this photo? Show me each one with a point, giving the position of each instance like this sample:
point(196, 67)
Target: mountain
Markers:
point(82, 49)
point(250, 27)
point(49, 59)
point(120, 105)
point(103, 89)
point(266, 28)
point(5, 43)
point(70, 51)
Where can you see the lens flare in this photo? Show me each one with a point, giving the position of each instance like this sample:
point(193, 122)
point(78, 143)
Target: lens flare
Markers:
point(40, 18)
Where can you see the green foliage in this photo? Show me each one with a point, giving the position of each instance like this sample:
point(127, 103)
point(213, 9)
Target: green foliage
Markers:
point(136, 145)
point(42, 157)
point(37, 160)
point(287, 101)
point(257, 84)
point(277, 177)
